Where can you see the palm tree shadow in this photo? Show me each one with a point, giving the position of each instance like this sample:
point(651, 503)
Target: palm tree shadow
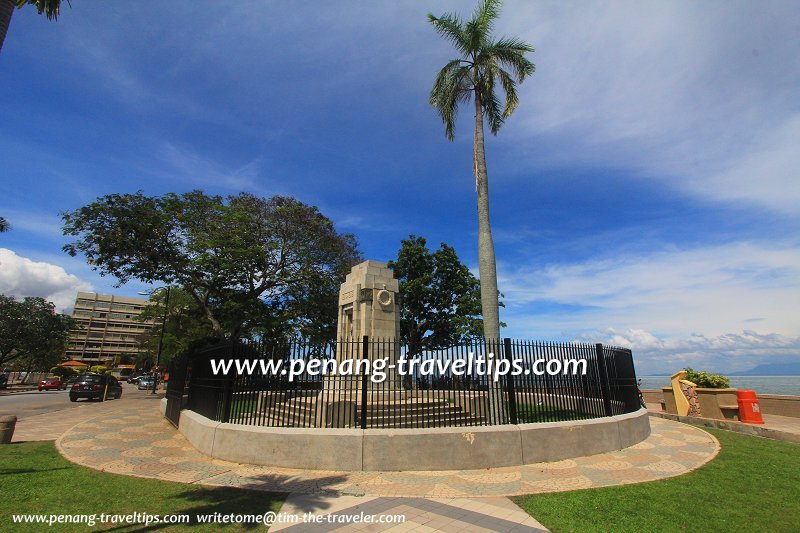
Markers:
point(4, 471)
point(260, 495)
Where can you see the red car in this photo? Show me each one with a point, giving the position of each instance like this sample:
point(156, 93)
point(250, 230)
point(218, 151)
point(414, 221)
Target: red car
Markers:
point(52, 384)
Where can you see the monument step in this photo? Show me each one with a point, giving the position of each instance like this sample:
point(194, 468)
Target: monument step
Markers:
point(309, 404)
point(418, 418)
point(293, 418)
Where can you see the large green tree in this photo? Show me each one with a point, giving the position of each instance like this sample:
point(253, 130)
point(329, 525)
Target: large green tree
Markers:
point(441, 302)
point(185, 324)
point(32, 334)
point(234, 257)
point(50, 8)
point(487, 69)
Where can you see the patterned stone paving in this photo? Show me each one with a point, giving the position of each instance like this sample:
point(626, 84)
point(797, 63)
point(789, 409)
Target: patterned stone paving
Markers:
point(140, 442)
point(454, 515)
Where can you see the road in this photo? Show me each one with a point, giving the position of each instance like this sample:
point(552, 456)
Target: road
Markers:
point(25, 404)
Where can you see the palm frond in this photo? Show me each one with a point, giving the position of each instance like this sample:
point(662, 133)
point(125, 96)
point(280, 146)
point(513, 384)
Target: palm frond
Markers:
point(452, 87)
point(485, 15)
point(484, 63)
point(511, 54)
point(451, 27)
point(492, 108)
point(50, 8)
point(510, 88)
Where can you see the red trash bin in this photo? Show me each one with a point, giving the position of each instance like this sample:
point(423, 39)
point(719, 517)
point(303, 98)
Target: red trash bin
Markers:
point(749, 410)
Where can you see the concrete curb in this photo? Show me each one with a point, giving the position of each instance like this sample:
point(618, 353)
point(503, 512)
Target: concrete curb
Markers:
point(386, 450)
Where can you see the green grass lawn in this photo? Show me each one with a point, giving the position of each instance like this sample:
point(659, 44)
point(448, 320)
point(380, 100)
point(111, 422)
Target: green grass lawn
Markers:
point(752, 485)
point(35, 479)
point(528, 413)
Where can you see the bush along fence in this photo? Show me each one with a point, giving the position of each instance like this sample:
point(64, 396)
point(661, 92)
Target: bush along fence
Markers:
point(376, 383)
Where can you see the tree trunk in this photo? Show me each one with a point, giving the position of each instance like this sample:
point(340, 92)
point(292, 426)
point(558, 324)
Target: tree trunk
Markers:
point(216, 328)
point(487, 268)
point(6, 10)
point(27, 372)
point(486, 259)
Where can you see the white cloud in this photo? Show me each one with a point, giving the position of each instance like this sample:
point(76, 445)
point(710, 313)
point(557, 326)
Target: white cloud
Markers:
point(672, 305)
point(20, 276)
point(191, 166)
point(699, 94)
point(766, 173)
point(731, 352)
point(42, 224)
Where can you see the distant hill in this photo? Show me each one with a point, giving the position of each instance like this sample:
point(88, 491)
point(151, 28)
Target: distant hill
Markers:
point(791, 368)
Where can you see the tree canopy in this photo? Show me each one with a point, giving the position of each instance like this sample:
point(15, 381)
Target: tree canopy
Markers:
point(441, 302)
point(186, 324)
point(32, 334)
point(486, 65)
point(236, 258)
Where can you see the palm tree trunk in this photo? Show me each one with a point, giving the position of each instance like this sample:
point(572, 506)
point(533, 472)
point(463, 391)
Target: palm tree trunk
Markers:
point(6, 10)
point(486, 259)
point(487, 268)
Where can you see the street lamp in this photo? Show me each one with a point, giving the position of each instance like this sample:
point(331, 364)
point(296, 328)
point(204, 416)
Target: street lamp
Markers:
point(161, 337)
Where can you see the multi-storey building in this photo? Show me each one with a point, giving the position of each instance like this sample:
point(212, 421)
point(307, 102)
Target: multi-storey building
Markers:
point(108, 328)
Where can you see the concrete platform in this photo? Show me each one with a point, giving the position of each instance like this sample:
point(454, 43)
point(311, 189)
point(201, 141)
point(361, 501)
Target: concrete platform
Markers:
point(139, 442)
point(447, 448)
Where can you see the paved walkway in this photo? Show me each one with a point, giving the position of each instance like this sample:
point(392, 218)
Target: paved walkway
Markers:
point(50, 426)
point(130, 437)
point(140, 442)
point(421, 514)
point(774, 427)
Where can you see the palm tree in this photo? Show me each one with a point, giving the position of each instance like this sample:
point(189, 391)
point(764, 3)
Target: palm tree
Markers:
point(4, 225)
point(484, 63)
point(48, 7)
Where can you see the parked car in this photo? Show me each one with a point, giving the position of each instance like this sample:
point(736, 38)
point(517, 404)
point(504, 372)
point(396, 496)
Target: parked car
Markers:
point(52, 384)
point(95, 386)
point(145, 382)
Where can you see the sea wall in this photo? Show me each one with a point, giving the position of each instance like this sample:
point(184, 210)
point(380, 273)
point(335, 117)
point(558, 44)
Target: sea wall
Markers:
point(771, 404)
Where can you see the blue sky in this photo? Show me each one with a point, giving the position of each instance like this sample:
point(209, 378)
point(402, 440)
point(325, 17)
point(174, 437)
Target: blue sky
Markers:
point(645, 192)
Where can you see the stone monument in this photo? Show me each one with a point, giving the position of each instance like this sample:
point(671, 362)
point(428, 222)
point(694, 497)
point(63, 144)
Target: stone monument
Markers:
point(369, 304)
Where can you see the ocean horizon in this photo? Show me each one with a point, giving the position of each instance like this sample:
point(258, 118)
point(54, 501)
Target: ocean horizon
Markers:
point(788, 385)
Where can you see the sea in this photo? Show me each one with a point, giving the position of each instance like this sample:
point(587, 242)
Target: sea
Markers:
point(789, 385)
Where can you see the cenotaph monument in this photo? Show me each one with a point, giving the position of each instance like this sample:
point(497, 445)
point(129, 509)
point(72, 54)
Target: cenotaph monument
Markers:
point(369, 304)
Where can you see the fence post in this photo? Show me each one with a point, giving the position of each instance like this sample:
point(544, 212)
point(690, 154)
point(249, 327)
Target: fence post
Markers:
point(605, 388)
point(227, 390)
point(364, 377)
point(227, 396)
point(510, 390)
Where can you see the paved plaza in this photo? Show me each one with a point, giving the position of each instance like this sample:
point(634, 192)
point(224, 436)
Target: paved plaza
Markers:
point(130, 437)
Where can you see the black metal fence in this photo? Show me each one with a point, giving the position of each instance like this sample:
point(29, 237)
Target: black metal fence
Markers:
point(285, 384)
point(177, 388)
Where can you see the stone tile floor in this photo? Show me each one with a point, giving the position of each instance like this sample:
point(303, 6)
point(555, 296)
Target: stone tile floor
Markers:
point(130, 437)
point(141, 443)
point(420, 514)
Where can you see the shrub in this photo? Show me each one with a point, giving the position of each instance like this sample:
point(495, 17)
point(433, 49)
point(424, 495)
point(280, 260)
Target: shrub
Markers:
point(706, 380)
point(99, 369)
point(63, 371)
